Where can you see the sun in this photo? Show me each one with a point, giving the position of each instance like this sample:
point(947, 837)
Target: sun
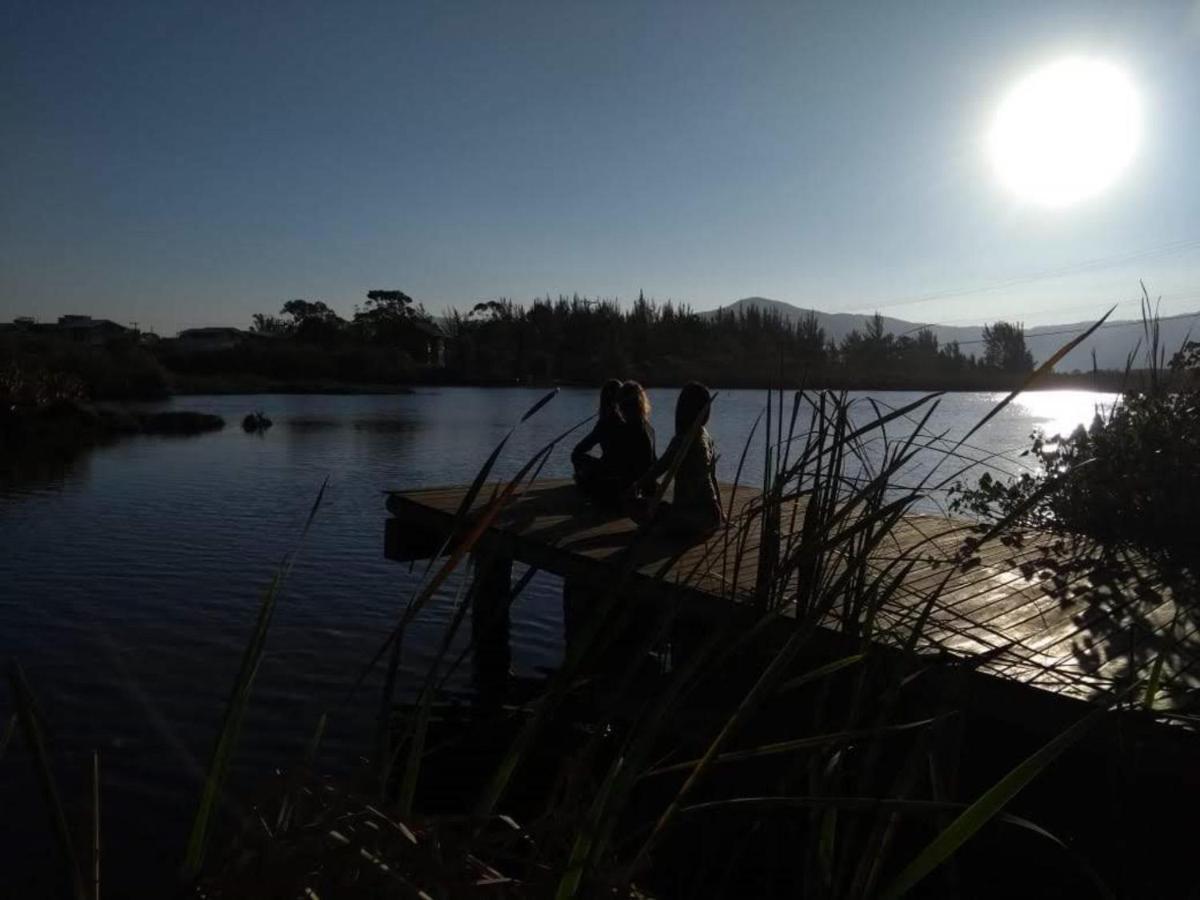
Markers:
point(1066, 132)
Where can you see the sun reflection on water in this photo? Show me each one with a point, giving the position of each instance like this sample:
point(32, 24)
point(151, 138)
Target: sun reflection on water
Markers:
point(1060, 412)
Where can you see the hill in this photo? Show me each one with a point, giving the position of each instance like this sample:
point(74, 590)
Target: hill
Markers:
point(1112, 343)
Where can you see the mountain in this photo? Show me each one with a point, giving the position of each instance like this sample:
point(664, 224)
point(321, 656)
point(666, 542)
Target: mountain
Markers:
point(1112, 343)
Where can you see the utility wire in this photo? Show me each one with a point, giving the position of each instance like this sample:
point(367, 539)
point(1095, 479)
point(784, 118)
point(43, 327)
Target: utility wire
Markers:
point(1075, 268)
point(1042, 334)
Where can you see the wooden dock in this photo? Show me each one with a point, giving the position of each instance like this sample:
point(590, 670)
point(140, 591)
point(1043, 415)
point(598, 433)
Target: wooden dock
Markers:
point(1045, 619)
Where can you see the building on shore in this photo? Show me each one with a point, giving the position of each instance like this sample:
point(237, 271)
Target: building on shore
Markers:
point(75, 328)
point(425, 341)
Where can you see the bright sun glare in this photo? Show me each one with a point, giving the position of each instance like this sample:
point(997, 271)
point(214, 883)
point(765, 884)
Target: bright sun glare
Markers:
point(1066, 132)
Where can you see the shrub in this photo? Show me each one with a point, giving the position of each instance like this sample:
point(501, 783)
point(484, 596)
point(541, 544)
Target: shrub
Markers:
point(119, 370)
point(1131, 478)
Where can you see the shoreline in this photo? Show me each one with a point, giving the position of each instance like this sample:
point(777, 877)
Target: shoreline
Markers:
point(253, 390)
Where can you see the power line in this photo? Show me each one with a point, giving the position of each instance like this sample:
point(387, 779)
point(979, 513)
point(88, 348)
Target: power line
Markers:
point(1042, 334)
point(1075, 268)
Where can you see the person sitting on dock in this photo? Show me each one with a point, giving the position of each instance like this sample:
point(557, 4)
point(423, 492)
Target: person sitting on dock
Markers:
point(696, 509)
point(635, 449)
point(598, 478)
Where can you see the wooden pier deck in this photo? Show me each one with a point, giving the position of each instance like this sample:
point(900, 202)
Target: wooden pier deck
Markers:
point(1059, 619)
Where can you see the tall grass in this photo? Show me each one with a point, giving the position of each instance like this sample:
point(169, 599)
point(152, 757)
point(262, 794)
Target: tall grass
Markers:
point(761, 714)
point(805, 728)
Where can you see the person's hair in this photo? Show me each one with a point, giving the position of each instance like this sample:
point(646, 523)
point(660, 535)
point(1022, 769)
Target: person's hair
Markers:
point(633, 402)
point(608, 398)
point(692, 404)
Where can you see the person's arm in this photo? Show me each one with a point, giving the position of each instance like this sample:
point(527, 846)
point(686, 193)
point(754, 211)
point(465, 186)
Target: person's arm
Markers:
point(647, 460)
point(592, 439)
point(659, 468)
point(712, 474)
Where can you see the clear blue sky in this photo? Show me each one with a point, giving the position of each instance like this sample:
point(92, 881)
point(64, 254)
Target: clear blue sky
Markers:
point(184, 164)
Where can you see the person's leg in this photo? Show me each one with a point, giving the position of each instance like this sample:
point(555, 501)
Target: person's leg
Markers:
point(638, 509)
point(587, 473)
point(691, 524)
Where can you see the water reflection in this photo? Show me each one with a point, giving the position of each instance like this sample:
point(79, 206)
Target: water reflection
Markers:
point(40, 468)
point(386, 425)
point(313, 425)
point(1060, 412)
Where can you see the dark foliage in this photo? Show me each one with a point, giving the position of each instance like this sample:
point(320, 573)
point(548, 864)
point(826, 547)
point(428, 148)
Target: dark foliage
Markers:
point(1004, 348)
point(576, 339)
point(1132, 478)
point(290, 360)
point(41, 367)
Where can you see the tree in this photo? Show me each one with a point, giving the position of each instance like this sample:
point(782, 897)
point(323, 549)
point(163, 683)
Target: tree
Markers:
point(493, 311)
point(385, 315)
point(1004, 348)
point(810, 337)
point(872, 350)
point(312, 321)
point(269, 325)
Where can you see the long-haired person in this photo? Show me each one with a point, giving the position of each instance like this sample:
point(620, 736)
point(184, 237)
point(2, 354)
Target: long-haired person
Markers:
point(635, 449)
point(695, 511)
point(597, 477)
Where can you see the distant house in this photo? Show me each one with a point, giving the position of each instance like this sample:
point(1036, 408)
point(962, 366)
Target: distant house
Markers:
point(206, 339)
point(425, 342)
point(85, 329)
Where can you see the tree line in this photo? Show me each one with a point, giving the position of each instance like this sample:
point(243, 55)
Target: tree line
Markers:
point(576, 339)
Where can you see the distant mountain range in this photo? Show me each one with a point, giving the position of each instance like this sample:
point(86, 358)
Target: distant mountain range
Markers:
point(1112, 343)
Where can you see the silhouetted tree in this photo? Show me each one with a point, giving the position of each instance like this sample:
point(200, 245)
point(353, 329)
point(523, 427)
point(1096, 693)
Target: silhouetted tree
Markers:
point(871, 350)
point(386, 315)
point(1004, 348)
point(312, 321)
point(576, 339)
point(269, 325)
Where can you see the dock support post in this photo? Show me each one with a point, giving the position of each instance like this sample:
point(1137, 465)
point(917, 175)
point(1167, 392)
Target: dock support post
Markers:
point(490, 598)
point(578, 601)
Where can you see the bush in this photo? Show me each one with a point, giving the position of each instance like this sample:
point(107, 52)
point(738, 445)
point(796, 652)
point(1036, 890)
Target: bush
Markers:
point(288, 360)
point(1131, 478)
point(119, 370)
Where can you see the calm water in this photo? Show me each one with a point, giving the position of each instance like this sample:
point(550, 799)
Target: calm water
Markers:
point(130, 581)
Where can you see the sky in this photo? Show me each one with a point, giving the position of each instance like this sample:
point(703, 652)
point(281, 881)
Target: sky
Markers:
point(179, 165)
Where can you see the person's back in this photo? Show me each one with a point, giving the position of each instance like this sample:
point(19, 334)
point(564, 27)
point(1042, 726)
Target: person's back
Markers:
point(598, 478)
point(695, 488)
point(696, 508)
point(634, 453)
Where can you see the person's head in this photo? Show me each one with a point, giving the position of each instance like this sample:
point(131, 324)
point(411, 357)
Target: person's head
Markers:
point(692, 404)
point(608, 397)
point(633, 402)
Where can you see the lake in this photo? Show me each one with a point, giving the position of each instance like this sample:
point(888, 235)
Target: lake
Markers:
point(129, 583)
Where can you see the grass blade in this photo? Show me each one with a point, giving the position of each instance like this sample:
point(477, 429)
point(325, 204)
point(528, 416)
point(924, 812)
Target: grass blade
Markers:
point(9, 730)
point(95, 825)
point(1033, 376)
point(987, 807)
point(533, 410)
point(235, 708)
point(22, 699)
point(808, 743)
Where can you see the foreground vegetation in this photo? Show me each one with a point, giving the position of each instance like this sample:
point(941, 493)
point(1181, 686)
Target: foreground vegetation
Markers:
point(1130, 478)
point(761, 756)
